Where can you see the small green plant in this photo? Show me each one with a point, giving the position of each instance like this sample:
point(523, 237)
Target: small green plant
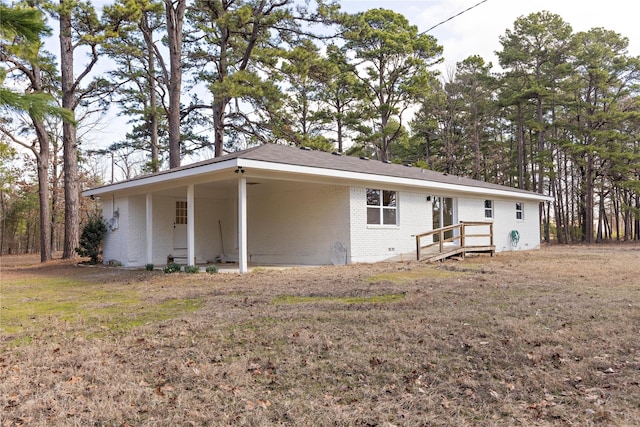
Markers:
point(172, 267)
point(91, 239)
point(148, 267)
point(192, 269)
point(211, 269)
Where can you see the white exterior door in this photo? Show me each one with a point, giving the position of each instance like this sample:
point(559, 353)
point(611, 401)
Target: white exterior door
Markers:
point(444, 214)
point(180, 225)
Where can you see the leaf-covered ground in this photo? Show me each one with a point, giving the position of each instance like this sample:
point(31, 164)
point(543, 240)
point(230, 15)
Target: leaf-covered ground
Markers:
point(549, 337)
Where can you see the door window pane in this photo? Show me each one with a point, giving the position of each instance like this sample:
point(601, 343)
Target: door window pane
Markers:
point(181, 212)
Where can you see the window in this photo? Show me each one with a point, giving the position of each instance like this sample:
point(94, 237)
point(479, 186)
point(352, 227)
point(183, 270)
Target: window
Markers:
point(520, 211)
point(181, 212)
point(488, 208)
point(382, 207)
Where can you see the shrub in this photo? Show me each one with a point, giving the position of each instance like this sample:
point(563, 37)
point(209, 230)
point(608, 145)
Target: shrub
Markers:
point(149, 267)
point(192, 269)
point(91, 239)
point(211, 269)
point(172, 267)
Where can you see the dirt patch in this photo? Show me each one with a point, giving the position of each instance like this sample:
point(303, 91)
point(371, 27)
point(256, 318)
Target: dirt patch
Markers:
point(532, 338)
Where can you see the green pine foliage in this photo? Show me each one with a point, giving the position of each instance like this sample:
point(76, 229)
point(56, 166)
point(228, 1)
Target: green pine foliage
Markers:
point(91, 239)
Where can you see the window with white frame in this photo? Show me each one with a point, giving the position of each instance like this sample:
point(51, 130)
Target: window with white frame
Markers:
point(181, 212)
point(519, 211)
point(382, 207)
point(488, 209)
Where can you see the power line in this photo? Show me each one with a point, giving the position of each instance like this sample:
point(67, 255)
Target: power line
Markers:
point(454, 16)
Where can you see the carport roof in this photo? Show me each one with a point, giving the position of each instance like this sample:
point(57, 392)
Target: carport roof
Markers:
point(276, 157)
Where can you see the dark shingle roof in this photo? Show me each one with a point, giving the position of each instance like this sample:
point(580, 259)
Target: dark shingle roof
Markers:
point(284, 154)
point(320, 159)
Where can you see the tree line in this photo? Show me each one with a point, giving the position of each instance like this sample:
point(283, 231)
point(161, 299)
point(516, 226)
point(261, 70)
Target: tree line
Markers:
point(210, 77)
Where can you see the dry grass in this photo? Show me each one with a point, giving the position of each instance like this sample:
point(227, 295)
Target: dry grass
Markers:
point(538, 338)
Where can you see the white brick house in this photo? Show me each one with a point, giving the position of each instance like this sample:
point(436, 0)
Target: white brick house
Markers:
point(276, 204)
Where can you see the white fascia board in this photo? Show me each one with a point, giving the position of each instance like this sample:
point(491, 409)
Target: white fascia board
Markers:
point(387, 180)
point(160, 178)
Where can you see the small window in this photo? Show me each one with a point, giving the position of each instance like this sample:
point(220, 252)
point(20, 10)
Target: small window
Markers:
point(181, 212)
point(382, 207)
point(488, 209)
point(519, 211)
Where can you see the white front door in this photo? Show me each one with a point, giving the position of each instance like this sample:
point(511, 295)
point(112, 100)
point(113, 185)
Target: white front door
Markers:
point(180, 225)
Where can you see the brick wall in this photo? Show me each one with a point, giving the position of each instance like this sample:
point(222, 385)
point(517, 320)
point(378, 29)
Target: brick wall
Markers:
point(127, 244)
point(296, 223)
point(115, 243)
point(371, 243)
point(504, 221)
point(208, 244)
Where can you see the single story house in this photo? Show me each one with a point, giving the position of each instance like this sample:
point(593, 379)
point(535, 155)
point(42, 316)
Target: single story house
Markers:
point(275, 204)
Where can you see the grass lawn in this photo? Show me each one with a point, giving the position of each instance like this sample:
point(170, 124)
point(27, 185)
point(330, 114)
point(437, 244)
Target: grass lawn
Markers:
point(549, 337)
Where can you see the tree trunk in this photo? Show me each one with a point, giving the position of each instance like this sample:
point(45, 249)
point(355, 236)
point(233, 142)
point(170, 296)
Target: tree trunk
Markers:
point(521, 150)
point(558, 211)
point(152, 115)
point(600, 233)
point(55, 199)
point(568, 213)
point(636, 221)
point(540, 164)
point(220, 103)
point(616, 210)
point(175, 16)
point(218, 126)
point(477, 173)
point(341, 136)
point(383, 154)
point(27, 237)
point(588, 200)
point(69, 141)
point(42, 159)
point(2, 218)
point(628, 220)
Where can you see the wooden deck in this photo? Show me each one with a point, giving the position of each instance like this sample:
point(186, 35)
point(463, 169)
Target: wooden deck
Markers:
point(463, 239)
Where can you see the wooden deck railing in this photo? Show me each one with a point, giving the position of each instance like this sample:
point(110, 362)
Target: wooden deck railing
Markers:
point(459, 235)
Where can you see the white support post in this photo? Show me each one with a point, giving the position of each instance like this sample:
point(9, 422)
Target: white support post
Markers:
point(242, 225)
point(149, 230)
point(191, 252)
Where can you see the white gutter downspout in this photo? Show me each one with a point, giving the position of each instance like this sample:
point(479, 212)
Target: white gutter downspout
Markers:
point(242, 224)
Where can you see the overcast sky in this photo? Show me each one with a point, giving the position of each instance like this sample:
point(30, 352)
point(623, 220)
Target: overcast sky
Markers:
point(477, 31)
